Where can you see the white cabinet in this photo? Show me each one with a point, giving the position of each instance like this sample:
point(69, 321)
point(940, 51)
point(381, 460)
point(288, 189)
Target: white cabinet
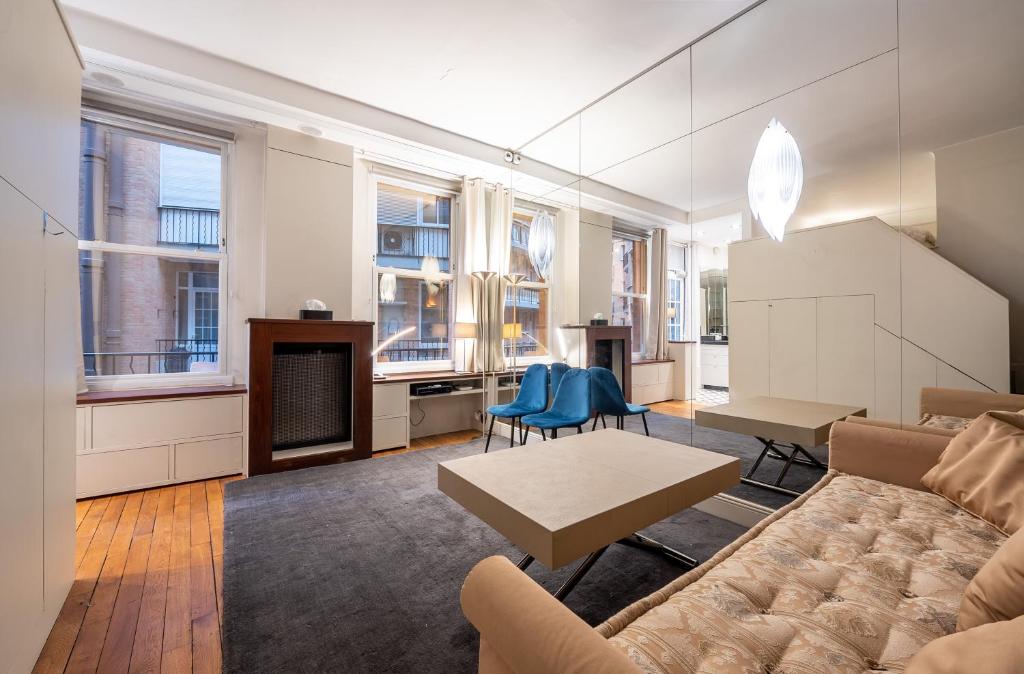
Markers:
point(22, 415)
point(793, 347)
point(846, 350)
point(390, 416)
point(131, 445)
point(748, 349)
point(651, 382)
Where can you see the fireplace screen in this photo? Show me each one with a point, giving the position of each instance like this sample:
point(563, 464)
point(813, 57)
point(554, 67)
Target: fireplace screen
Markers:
point(312, 395)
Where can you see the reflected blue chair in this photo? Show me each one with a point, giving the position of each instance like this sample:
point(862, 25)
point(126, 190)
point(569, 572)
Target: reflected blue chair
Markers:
point(606, 397)
point(570, 409)
point(558, 371)
point(532, 398)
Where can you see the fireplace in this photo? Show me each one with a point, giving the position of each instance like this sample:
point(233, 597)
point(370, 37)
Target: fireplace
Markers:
point(310, 393)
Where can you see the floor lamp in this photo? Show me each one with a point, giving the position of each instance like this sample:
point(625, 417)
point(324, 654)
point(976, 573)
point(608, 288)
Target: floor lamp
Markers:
point(484, 277)
point(464, 332)
point(514, 330)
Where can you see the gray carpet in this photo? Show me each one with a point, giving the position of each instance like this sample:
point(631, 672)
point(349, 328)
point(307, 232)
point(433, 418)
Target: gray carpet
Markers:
point(357, 567)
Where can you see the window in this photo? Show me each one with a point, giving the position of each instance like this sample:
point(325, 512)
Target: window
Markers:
point(676, 292)
point(415, 285)
point(151, 252)
point(629, 285)
point(527, 304)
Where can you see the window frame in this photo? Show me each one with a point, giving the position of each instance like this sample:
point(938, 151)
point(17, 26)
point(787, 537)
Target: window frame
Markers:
point(642, 297)
point(682, 277)
point(525, 206)
point(159, 133)
point(450, 278)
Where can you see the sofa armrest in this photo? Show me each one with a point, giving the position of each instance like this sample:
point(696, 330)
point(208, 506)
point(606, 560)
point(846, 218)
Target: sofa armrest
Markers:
point(524, 629)
point(890, 455)
point(967, 404)
point(895, 425)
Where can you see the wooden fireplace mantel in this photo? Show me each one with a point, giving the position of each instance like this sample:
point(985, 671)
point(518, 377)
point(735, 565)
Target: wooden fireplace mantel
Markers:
point(263, 334)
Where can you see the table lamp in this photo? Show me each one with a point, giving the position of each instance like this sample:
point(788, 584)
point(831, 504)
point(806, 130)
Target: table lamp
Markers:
point(463, 332)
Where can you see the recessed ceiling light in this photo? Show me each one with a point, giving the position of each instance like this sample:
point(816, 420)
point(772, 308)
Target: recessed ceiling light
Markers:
point(311, 130)
point(108, 79)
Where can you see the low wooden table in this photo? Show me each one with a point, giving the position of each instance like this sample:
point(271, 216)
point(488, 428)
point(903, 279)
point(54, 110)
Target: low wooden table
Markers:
point(778, 422)
point(573, 497)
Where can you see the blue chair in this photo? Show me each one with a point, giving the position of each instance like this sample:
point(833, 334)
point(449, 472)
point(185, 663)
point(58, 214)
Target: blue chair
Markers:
point(607, 398)
point(558, 371)
point(570, 409)
point(532, 398)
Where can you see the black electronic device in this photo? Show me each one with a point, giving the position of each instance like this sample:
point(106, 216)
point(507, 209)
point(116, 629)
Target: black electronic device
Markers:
point(431, 389)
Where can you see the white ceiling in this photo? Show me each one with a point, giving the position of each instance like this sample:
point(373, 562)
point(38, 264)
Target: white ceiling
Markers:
point(498, 72)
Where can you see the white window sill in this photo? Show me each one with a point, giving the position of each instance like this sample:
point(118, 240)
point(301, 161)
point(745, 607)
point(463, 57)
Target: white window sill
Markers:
point(137, 381)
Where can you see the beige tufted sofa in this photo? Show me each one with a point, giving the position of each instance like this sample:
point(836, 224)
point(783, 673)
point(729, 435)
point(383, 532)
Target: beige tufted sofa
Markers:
point(856, 575)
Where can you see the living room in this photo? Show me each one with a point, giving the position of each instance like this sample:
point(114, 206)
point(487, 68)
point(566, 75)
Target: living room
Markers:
point(659, 337)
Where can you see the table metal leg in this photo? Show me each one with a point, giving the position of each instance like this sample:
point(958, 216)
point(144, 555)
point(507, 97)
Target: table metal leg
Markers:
point(578, 573)
point(644, 543)
point(772, 451)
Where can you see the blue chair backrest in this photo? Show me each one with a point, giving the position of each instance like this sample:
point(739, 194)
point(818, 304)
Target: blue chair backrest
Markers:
point(573, 397)
point(558, 371)
point(606, 394)
point(533, 390)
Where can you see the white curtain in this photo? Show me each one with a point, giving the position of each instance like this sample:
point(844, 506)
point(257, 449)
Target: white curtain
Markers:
point(487, 245)
point(656, 344)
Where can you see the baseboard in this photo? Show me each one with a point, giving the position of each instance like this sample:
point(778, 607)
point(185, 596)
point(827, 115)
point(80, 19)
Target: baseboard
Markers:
point(736, 510)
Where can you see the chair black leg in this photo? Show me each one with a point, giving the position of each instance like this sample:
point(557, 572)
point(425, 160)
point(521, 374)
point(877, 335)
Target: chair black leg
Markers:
point(579, 429)
point(595, 422)
point(604, 424)
point(647, 431)
point(526, 434)
point(543, 436)
point(490, 430)
point(554, 433)
point(522, 436)
point(512, 434)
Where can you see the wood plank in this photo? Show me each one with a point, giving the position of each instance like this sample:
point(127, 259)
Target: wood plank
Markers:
point(117, 647)
point(215, 506)
point(147, 649)
point(205, 620)
point(85, 531)
point(61, 641)
point(85, 656)
point(177, 642)
point(200, 517)
point(81, 509)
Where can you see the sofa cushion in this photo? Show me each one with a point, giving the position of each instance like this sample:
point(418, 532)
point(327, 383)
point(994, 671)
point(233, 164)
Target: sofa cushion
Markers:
point(997, 592)
point(862, 575)
point(982, 470)
point(944, 421)
point(994, 648)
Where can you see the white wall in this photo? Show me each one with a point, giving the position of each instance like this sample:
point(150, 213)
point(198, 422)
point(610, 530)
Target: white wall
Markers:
point(309, 224)
point(980, 223)
point(595, 254)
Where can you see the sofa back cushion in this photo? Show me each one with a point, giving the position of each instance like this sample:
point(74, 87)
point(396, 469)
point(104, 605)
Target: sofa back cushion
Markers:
point(995, 648)
point(997, 592)
point(982, 470)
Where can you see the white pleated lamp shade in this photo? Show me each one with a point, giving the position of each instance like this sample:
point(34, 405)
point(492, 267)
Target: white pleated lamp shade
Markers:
point(776, 179)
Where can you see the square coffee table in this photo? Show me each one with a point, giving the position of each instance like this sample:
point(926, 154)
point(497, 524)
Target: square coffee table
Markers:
point(571, 498)
point(778, 422)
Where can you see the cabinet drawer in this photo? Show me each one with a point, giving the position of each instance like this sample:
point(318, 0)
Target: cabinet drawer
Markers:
point(390, 433)
point(390, 400)
point(207, 458)
point(123, 470)
point(161, 421)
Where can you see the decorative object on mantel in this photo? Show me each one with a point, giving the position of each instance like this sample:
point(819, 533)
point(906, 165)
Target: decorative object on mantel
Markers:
point(776, 179)
point(315, 310)
point(599, 319)
point(310, 393)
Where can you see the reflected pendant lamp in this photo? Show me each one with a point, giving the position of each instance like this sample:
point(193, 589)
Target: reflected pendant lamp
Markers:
point(776, 179)
point(432, 269)
point(542, 244)
point(387, 287)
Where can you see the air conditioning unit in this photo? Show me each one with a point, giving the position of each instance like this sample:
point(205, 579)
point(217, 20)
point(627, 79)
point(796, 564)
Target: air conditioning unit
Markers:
point(392, 240)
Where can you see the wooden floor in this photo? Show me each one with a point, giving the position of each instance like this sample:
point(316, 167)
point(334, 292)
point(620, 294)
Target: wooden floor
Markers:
point(676, 408)
point(148, 571)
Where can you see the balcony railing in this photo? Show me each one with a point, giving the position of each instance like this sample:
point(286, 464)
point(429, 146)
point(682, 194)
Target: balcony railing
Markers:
point(170, 355)
point(403, 350)
point(189, 227)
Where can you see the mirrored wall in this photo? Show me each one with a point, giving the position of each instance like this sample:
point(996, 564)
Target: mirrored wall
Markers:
point(896, 264)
